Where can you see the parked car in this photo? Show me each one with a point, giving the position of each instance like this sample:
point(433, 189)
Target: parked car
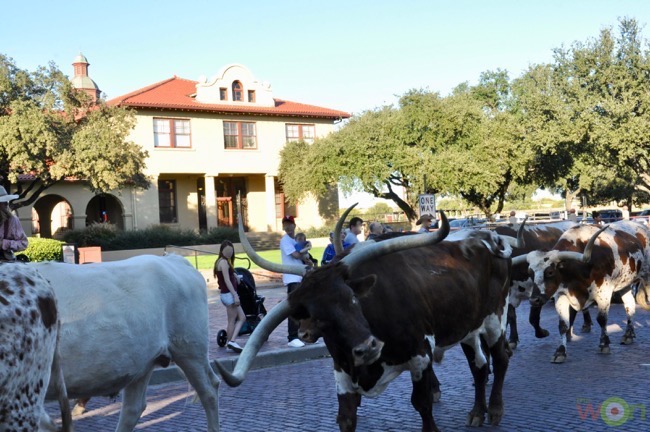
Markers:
point(642, 217)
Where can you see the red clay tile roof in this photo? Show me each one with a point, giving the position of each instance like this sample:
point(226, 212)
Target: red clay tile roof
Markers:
point(174, 94)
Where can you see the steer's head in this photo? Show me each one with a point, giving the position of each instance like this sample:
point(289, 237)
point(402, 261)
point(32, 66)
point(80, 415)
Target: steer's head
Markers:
point(566, 263)
point(328, 304)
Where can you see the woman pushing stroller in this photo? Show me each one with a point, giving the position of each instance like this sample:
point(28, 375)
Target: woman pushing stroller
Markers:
point(226, 277)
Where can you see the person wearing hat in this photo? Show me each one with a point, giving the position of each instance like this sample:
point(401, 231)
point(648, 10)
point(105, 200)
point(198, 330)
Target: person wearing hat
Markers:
point(13, 237)
point(425, 220)
point(291, 257)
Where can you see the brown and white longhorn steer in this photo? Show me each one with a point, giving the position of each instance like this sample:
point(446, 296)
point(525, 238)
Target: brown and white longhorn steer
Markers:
point(587, 265)
point(396, 306)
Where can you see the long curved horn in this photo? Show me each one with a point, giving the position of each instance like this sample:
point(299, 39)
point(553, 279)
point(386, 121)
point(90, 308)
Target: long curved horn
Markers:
point(264, 263)
point(399, 243)
point(519, 259)
point(519, 241)
point(338, 243)
point(586, 255)
point(274, 318)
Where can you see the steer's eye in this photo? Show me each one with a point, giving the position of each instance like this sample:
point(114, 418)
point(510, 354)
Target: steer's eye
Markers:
point(355, 301)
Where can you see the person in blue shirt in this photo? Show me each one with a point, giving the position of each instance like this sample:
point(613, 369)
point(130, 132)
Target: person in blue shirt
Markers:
point(329, 252)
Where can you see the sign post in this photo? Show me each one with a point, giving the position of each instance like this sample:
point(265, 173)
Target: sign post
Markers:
point(427, 204)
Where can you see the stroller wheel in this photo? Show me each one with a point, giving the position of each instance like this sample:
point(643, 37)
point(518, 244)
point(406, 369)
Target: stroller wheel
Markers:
point(222, 338)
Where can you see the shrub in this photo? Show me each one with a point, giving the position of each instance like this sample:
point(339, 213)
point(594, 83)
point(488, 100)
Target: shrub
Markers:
point(322, 231)
point(108, 237)
point(43, 249)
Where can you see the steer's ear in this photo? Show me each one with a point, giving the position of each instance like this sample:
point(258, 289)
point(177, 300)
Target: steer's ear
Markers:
point(362, 286)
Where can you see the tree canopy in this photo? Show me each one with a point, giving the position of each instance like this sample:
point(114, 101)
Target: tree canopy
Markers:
point(50, 131)
point(579, 125)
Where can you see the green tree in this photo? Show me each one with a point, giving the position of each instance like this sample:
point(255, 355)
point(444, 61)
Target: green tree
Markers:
point(593, 114)
point(50, 131)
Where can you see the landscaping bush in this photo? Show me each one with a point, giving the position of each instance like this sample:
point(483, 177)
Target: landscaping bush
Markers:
point(108, 237)
point(43, 249)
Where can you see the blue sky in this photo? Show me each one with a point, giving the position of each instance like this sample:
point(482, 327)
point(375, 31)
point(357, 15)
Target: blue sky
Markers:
point(347, 55)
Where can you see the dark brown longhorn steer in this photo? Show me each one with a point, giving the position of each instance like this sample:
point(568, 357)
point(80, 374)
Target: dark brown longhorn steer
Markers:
point(614, 258)
point(536, 237)
point(395, 306)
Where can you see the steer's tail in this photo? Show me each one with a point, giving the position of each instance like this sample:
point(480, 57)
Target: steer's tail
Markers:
point(643, 295)
point(57, 383)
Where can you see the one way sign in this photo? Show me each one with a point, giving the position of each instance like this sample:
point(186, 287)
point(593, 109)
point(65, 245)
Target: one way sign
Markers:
point(427, 204)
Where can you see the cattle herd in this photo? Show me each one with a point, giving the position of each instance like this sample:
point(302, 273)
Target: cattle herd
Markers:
point(383, 307)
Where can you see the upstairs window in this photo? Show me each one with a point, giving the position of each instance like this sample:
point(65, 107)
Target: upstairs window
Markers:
point(239, 135)
point(237, 91)
point(251, 95)
point(168, 133)
point(223, 93)
point(167, 201)
point(297, 132)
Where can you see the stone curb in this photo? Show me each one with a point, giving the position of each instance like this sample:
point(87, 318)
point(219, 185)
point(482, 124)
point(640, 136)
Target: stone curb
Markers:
point(263, 360)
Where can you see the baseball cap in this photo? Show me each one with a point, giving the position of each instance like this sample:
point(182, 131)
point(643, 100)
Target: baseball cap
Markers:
point(289, 219)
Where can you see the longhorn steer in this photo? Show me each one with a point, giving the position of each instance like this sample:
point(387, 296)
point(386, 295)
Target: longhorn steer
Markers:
point(614, 258)
point(29, 329)
point(536, 237)
point(120, 320)
point(396, 306)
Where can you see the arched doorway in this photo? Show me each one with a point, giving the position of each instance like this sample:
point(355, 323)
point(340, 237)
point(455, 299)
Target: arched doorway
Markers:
point(51, 215)
point(105, 208)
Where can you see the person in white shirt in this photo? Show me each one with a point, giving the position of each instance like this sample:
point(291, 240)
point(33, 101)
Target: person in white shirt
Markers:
point(291, 257)
point(355, 229)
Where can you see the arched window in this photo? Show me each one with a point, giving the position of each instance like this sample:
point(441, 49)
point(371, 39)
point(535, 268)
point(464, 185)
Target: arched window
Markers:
point(237, 91)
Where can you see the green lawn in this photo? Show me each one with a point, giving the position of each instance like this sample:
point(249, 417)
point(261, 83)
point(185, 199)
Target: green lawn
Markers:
point(206, 262)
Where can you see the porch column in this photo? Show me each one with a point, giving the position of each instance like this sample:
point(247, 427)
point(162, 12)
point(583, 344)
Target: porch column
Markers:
point(210, 202)
point(269, 183)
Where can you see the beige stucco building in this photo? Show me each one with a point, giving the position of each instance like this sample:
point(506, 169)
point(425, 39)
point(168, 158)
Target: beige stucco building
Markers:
point(207, 140)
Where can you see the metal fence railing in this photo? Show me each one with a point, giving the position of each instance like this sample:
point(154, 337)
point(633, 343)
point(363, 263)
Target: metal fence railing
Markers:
point(194, 251)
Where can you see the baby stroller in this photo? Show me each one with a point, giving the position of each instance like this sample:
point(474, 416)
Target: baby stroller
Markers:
point(251, 303)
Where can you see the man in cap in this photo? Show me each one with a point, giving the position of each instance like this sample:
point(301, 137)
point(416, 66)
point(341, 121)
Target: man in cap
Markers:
point(291, 257)
point(425, 220)
point(13, 235)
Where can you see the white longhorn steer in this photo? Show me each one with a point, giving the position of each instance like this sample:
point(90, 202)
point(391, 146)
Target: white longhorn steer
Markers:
point(122, 319)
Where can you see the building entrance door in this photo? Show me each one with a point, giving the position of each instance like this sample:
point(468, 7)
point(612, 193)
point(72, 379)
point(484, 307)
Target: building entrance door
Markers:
point(227, 189)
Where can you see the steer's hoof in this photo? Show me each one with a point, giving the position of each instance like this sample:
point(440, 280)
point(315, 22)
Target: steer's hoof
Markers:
point(558, 358)
point(513, 345)
point(436, 396)
point(495, 418)
point(78, 410)
point(586, 328)
point(627, 340)
point(604, 350)
point(474, 419)
point(541, 333)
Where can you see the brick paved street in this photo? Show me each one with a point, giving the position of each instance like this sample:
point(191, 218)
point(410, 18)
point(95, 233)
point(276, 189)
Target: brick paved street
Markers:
point(539, 396)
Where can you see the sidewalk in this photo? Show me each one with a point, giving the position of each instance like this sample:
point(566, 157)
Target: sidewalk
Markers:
point(274, 352)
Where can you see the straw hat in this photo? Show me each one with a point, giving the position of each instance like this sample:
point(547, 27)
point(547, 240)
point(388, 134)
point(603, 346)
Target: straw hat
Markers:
point(423, 218)
point(5, 197)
